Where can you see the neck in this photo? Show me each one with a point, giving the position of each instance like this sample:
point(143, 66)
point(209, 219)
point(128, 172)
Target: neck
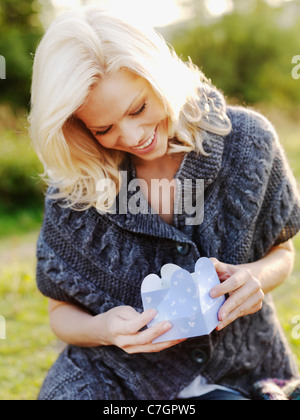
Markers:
point(162, 167)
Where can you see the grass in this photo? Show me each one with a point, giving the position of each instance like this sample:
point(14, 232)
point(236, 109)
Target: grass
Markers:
point(19, 222)
point(287, 296)
point(30, 347)
point(287, 301)
point(21, 190)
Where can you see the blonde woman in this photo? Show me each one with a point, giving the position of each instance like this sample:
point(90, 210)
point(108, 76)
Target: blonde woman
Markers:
point(111, 98)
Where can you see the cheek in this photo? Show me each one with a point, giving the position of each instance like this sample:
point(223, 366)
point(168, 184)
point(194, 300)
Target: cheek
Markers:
point(164, 126)
point(160, 116)
point(107, 143)
point(158, 110)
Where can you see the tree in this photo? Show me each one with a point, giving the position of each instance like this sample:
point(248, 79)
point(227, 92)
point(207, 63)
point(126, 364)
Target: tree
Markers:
point(20, 31)
point(247, 55)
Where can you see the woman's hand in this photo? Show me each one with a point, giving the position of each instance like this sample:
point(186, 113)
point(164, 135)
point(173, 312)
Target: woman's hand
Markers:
point(244, 290)
point(122, 329)
point(119, 326)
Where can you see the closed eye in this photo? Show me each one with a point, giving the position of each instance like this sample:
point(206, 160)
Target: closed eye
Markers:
point(142, 109)
point(135, 114)
point(102, 133)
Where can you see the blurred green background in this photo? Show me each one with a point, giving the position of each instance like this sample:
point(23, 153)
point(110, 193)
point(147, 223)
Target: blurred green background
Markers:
point(246, 51)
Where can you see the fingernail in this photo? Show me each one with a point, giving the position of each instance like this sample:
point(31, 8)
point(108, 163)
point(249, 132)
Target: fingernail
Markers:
point(167, 325)
point(213, 293)
point(220, 327)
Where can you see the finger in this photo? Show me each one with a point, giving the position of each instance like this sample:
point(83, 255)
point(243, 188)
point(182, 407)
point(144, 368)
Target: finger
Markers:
point(145, 337)
point(152, 348)
point(238, 297)
point(138, 321)
point(223, 270)
point(150, 334)
point(165, 345)
point(255, 308)
point(233, 283)
point(250, 306)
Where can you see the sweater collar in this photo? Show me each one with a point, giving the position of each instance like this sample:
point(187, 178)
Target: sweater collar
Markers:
point(194, 166)
point(198, 166)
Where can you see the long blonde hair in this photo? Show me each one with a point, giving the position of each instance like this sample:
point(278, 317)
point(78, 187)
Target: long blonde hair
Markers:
point(81, 47)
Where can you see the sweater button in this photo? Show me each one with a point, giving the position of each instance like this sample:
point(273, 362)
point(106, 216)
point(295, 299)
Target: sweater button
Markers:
point(183, 248)
point(199, 356)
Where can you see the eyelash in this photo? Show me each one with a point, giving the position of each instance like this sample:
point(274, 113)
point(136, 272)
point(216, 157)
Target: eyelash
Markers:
point(141, 110)
point(135, 114)
point(102, 133)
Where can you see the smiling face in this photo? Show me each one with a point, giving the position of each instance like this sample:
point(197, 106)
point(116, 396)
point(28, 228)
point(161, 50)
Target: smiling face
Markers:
point(123, 113)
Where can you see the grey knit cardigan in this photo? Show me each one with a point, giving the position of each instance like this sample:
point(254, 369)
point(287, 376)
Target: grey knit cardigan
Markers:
point(98, 261)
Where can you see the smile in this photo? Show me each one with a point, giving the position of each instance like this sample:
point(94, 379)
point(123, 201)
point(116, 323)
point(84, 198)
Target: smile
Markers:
point(147, 143)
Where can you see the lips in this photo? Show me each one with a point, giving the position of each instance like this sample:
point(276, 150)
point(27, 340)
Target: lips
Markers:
point(147, 143)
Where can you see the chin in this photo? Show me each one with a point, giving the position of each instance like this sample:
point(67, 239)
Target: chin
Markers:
point(158, 153)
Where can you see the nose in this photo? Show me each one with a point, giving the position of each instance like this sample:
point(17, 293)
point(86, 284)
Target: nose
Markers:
point(131, 133)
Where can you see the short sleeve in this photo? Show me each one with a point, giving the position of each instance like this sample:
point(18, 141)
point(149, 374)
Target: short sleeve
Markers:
point(50, 272)
point(279, 215)
point(65, 269)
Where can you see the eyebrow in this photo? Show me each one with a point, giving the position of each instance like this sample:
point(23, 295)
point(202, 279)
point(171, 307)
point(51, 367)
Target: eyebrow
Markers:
point(126, 112)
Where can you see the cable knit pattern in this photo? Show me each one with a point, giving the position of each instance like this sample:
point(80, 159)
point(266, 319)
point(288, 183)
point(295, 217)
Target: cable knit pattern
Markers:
point(99, 261)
